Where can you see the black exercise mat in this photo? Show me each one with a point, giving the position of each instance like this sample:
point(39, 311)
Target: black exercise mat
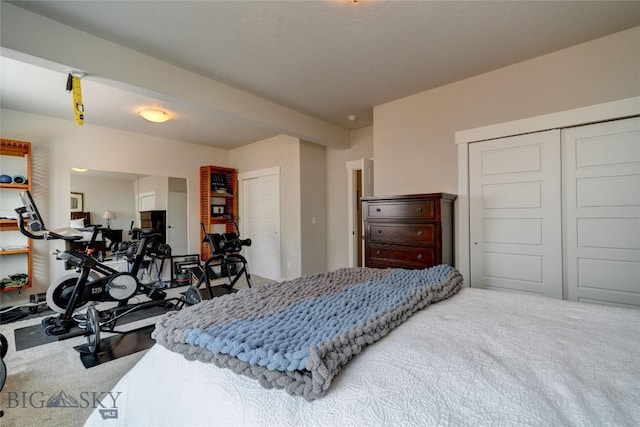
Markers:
point(117, 346)
point(32, 336)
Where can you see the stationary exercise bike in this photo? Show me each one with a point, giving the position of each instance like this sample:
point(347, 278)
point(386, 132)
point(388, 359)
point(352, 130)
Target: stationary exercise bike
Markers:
point(225, 252)
point(93, 282)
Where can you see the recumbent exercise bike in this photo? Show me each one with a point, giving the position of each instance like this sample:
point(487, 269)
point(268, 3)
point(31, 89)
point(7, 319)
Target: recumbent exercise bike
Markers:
point(94, 282)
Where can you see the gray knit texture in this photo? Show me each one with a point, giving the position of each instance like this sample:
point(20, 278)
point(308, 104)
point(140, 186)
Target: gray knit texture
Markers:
point(326, 360)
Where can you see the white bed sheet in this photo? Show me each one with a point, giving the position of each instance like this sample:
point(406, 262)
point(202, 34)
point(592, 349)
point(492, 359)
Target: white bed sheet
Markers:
point(480, 358)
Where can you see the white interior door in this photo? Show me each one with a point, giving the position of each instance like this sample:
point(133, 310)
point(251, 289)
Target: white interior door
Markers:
point(602, 211)
point(261, 223)
point(177, 223)
point(147, 201)
point(515, 214)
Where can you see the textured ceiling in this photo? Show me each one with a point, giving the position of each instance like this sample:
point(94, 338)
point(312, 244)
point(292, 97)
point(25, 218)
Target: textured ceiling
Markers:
point(324, 59)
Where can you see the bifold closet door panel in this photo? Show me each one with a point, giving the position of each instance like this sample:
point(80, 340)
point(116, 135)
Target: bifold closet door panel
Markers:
point(602, 211)
point(515, 213)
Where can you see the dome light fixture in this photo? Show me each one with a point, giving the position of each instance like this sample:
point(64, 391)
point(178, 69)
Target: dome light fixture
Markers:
point(154, 115)
point(81, 170)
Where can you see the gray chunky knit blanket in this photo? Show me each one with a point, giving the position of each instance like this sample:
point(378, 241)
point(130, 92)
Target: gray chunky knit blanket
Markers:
point(298, 334)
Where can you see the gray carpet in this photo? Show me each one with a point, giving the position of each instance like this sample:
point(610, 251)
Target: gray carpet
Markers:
point(53, 374)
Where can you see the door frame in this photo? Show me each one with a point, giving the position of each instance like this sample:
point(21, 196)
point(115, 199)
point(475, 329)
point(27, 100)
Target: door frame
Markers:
point(627, 107)
point(366, 166)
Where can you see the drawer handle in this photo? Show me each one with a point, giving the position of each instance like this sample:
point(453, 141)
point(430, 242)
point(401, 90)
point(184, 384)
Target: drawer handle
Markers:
point(379, 231)
point(420, 256)
point(419, 209)
point(419, 233)
point(378, 209)
point(378, 252)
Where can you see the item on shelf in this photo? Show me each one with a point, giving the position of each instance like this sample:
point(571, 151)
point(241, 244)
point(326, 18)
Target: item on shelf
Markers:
point(219, 183)
point(16, 255)
point(8, 215)
point(17, 280)
point(217, 210)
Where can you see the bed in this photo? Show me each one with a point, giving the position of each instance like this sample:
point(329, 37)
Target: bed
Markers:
point(82, 222)
point(471, 357)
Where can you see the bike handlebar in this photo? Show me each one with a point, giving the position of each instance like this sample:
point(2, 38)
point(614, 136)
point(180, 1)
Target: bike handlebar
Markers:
point(46, 234)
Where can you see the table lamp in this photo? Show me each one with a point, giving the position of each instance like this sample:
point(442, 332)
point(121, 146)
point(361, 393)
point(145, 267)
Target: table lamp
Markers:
point(109, 215)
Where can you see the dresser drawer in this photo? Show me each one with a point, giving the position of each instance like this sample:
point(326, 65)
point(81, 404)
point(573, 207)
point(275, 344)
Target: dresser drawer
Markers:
point(399, 256)
point(423, 234)
point(417, 209)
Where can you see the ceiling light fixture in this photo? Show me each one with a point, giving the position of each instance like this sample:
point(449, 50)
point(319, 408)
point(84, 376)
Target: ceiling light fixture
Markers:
point(79, 169)
point(155, 115)
point(352, 117)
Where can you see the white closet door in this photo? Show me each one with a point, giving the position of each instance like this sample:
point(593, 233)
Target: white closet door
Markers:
point(602, 211)
point(515, 214)
point(261, 223)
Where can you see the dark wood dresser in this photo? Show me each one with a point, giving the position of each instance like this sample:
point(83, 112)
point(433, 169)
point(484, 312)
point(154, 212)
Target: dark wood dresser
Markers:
point(156, 220)
point(412, 231)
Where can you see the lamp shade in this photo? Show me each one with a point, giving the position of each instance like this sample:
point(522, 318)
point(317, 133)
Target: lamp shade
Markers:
point(154, 115)
point(109, 215)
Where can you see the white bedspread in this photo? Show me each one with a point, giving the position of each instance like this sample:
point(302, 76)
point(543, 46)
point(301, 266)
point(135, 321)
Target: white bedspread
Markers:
point(480, 358)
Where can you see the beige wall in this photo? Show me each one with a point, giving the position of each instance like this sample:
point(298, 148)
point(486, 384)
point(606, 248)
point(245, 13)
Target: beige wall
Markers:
point(282, 151)
point(313, 207)
point(159, 186)
point(59, 145)
point(337, 198)
point(413, 139)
